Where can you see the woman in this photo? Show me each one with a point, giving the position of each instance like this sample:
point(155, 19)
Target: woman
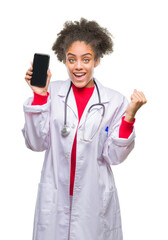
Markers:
point(77, 197)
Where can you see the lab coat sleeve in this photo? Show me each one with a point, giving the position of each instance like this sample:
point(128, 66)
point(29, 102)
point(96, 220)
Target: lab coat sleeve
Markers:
point(117, 149)
point(36, 129)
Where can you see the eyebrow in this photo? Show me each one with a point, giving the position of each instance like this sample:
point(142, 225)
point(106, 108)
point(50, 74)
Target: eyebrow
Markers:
point(82, 55)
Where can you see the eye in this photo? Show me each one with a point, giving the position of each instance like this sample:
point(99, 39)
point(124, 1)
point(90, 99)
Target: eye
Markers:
point(71, 60)
point(86, 60)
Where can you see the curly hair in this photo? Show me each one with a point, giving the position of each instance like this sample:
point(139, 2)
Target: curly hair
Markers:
point(88, 31)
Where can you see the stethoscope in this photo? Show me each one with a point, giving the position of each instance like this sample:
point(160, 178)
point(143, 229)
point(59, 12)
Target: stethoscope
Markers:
point(66, 129)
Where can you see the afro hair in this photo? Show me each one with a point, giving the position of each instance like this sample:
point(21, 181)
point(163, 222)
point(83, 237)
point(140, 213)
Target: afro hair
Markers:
point(90, 32)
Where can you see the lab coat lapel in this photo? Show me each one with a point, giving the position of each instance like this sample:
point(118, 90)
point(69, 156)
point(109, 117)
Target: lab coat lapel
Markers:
point(93, 100)
point(71, 103)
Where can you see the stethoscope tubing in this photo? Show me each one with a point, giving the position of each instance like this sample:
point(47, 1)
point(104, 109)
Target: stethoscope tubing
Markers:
point(65, 107)
point(66, 130)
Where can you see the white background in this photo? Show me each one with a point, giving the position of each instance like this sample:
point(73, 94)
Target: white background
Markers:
point(139, 61)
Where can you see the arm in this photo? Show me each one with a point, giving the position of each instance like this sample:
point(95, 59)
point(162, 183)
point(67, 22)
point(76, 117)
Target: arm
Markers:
point(116, 149)
point(36, 128)
point(126, 128)
point(40, 99)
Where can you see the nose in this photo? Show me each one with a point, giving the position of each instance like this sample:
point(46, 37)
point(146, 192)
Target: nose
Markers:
point(78, 65)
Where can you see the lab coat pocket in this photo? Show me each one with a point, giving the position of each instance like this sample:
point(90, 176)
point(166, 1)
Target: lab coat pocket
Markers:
point(46, 202)
point(102, 138)
point(111, 211)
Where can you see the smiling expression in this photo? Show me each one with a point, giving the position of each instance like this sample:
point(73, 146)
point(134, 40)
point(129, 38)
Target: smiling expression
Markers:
point(80, 63)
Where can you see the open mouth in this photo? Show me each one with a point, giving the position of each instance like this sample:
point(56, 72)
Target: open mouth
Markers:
point(79, 75)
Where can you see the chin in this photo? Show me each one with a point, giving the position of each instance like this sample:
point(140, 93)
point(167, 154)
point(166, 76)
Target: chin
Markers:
point(79, 84)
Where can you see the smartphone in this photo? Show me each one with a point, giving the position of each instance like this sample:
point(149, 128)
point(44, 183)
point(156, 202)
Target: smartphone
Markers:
point(40, 67)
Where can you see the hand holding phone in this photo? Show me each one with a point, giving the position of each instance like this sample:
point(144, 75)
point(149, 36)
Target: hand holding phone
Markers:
point(38, 75)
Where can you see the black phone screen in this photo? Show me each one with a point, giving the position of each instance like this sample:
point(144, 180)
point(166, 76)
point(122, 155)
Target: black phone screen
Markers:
point(40, 67)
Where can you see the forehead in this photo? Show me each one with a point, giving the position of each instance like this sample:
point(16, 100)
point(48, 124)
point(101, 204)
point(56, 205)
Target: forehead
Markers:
point(80, 48)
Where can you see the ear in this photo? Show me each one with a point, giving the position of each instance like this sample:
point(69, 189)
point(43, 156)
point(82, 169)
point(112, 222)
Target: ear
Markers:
point(96, 62)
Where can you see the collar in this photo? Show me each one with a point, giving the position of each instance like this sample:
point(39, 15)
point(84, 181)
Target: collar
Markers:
point(103, 93)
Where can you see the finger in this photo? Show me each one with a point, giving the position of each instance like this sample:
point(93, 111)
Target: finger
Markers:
point(135, 97)
point(30, 69)
point(49, 72)
point(28, 81)
point(143, 95)
point(29, 73)
point(48, 77)
point(27, 78)
point(140, 96)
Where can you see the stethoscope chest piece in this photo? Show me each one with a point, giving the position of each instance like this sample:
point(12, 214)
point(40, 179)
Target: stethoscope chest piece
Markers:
point(65, 131)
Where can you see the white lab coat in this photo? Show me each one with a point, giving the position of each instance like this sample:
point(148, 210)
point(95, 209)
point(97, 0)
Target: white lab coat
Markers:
point(95, 207)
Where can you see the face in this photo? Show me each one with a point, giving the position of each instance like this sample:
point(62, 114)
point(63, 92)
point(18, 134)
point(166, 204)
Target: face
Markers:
point(80, 64)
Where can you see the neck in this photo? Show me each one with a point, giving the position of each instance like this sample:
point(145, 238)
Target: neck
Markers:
point(90, 84)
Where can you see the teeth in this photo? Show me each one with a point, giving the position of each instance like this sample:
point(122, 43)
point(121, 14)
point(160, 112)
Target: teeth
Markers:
point(79, 74)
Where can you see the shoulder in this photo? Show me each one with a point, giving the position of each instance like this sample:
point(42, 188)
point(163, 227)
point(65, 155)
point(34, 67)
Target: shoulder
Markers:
point(114, 93)
point(111, 95)
point(56, 86)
